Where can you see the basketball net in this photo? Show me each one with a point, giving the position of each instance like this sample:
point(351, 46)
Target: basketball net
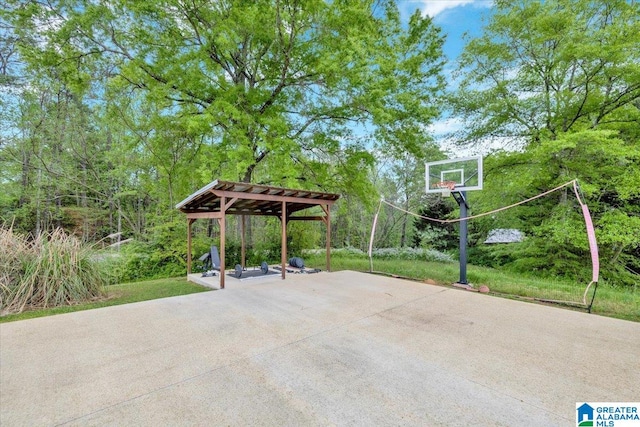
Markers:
point(446, 186)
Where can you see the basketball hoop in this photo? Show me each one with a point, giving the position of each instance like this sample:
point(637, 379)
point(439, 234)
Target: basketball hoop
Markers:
point(458, 176)
point(446, 187)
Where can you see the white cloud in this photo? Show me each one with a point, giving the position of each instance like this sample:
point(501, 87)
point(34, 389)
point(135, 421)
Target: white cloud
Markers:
point(443, 132)
point(435, 7)
point(482, 147)
point(445, 126)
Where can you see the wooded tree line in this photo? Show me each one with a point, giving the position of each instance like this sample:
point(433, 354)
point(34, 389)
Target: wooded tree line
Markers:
point(112, 112)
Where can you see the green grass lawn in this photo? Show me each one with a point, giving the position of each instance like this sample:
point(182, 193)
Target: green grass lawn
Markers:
point(612, 302)
point(609, 301)
point(120, 294)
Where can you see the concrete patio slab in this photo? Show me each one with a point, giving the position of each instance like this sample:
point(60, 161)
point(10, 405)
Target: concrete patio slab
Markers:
point(339, 348)
point(212, 282)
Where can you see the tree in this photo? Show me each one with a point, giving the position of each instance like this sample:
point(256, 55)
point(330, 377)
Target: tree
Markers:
point(290, 81)
point(9, 90)
point(403, 184)
point(560, 79)
point(546, 68)
point(435, 235)
point(556, 241)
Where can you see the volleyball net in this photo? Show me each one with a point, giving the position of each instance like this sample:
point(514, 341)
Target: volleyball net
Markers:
point(549, 290)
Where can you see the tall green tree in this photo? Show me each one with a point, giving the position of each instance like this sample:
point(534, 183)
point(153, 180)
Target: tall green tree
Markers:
point(543, 68)
point(9, 107)
point(285, 80)
point(560, 80)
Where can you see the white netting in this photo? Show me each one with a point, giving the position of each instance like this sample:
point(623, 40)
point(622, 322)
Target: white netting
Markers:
point(448, 186)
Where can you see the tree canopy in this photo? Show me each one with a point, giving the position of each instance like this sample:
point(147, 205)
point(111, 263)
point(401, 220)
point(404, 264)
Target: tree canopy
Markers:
point(541, 69)
point(559, 80)
point(278, 91)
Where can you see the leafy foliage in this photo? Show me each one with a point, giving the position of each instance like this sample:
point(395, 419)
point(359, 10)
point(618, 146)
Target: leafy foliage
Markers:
point(114, 111)
point(546, 68)
point(557, 242)
point(247, 82)
point(560, 80)
point(436, 235)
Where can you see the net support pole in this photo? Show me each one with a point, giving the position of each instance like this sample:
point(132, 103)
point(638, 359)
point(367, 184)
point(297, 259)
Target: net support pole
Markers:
point(461, 198)
point(373, 233)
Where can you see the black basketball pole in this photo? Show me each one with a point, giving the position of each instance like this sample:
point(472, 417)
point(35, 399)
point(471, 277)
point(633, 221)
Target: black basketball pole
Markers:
point(461, 198)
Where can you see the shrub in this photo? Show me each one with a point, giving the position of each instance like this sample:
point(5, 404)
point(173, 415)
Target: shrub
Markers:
point(49, 270)
point(418, 254)
point(349, 252)
point(148, 260)
point(410, 254)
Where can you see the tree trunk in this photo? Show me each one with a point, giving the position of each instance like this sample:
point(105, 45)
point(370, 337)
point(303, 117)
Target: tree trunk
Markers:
point(403, 234)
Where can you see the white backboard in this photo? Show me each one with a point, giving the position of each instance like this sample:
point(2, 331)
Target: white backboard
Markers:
point(465, 172)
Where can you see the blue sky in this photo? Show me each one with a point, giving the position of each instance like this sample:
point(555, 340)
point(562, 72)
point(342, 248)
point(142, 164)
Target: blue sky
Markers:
point(455, 18)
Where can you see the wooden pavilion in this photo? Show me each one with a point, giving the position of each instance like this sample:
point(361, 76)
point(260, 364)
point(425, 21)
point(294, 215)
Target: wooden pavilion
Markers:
point(220, 198)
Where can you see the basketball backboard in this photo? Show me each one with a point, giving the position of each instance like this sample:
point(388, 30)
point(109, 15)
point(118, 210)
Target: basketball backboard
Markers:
point(454, 175)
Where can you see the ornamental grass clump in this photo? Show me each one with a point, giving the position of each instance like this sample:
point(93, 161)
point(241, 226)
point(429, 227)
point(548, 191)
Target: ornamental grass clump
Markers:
point(49, 270)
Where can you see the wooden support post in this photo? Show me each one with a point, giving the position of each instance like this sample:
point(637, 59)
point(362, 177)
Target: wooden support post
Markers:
point(222, 240)
point(327, 211)
point(243, 253)
point(283, 254)
point(189, 222)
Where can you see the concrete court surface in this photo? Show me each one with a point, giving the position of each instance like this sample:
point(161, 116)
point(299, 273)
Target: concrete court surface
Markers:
point(340, 348)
